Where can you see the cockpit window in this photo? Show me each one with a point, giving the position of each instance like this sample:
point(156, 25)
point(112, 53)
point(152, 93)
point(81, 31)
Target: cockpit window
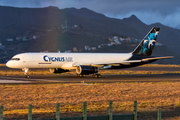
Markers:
point(17, 59)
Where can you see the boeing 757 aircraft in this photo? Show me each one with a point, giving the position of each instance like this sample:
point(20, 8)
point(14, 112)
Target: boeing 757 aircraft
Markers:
point(88, 63)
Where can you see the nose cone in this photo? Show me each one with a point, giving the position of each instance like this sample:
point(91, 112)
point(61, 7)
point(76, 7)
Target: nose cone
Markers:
point(9, 64)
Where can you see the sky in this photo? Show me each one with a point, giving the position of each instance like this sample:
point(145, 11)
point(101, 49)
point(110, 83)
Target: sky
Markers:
point(166, 12)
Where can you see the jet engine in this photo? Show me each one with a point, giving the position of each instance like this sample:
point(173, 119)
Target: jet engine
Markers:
point(58, 70)
point(85, 70)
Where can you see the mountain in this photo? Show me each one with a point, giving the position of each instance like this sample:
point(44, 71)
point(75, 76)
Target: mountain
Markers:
point(84, 12)
point(54, 29)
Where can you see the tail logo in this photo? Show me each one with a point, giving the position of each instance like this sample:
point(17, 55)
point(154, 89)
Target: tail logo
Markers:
point(146, 46)
point(149, 42)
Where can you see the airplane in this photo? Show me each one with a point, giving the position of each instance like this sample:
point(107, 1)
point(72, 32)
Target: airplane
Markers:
point(88, 63)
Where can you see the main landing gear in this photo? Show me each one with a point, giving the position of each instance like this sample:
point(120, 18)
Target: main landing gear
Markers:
point(80, 75)
point(96, 75)
point(26, 72)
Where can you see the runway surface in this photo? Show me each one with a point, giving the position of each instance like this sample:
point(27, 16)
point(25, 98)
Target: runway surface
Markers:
point(88, 79)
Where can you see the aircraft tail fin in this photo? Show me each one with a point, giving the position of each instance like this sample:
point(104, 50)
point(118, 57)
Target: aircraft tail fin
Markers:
point(146, 46)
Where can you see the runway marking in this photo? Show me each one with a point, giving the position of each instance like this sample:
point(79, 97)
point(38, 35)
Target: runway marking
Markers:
point(14, 81)
point(8, 79)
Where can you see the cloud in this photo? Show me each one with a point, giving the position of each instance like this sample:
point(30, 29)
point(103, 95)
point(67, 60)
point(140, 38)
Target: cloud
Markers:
point(28, 3)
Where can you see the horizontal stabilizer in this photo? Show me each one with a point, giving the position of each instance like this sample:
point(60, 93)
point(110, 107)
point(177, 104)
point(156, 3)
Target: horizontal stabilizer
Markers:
point(156, 58)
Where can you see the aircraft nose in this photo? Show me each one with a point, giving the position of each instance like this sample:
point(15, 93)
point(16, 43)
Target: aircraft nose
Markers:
point(8, 64)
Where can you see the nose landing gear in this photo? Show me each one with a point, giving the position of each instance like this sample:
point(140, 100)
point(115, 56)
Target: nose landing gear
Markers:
point(26, 72)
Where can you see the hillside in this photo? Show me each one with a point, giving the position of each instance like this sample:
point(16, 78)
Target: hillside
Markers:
point(71, 29)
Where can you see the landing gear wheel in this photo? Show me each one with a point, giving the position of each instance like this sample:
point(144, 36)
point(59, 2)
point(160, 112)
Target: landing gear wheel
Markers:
point(99, 76)
point(96, 76)
point(80, 75)
point(27, 76)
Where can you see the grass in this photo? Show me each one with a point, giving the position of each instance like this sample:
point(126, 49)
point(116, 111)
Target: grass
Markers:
point(43, 97)
point(159, 65)
point(2, 64)
point(107, 72)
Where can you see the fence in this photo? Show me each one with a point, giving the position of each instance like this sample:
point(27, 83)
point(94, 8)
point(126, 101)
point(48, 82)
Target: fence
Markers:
point(110, 116)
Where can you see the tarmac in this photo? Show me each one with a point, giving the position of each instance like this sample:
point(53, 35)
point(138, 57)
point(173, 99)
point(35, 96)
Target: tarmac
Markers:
point(34, 79)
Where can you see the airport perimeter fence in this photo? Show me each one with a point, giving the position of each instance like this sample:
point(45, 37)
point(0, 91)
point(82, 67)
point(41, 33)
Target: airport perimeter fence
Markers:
point(133, 115)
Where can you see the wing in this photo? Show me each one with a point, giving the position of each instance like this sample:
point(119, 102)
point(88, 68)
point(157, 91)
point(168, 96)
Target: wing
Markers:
point(127, 62)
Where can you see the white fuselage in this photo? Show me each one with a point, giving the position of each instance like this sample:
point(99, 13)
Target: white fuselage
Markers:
point(63, 60)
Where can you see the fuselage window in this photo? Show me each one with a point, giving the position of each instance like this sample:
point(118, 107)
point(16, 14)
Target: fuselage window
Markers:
point(17, 59)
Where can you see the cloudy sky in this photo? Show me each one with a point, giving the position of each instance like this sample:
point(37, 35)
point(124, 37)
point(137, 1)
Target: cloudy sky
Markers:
point(166, 12)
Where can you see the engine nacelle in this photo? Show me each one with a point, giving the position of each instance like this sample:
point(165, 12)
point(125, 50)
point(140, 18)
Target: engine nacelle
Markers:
point(85, 70)
point(58, 70)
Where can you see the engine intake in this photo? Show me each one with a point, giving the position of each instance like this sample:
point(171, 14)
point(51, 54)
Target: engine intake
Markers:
point(58, 70)
point(85, 70)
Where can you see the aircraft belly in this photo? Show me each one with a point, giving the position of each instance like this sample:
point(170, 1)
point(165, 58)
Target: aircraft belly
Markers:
point(42, 65)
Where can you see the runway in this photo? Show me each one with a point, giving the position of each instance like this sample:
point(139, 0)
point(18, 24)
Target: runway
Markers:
point(89, 79)
point(34, 79)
